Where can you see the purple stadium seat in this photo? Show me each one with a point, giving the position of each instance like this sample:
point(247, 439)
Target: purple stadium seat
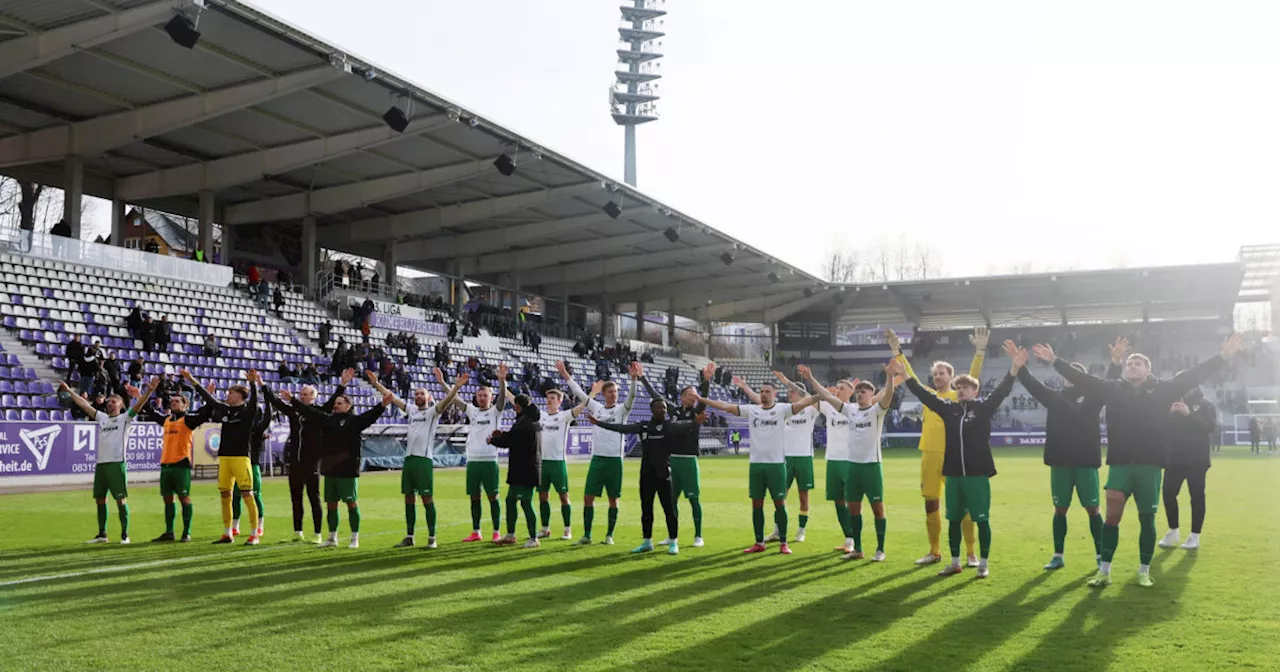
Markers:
point(10, 322)
point(29, 374)
point(24, 335)
point(60, 363)
point(45, 387)
point(44, 313)
point(15, 299)
point(20, 387)
point(43, 350)
point(11, 360)
point(23, 400)
point(12, 415)
point(42, 416)
point(28, 415)
point(50, 401)
point(6, 387)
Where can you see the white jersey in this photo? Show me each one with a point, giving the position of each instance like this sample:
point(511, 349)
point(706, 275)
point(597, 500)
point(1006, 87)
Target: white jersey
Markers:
point(768, 431)
point(838, 425)
point(422, 430)
point(482, 425)
point(800, 433)
point(605, 443)
point(112, 435)
point(555, 433)
point(864, 432)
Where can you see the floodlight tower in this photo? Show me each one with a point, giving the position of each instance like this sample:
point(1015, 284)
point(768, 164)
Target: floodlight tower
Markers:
point(633, 98)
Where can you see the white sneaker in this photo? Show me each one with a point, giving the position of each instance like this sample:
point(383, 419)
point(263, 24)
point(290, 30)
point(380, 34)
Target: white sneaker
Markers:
point(1170, 539)
point(320, 539)
point(125, 541)
point(608, 541)
point(532, 543)
point(698, 542)
point(567, 536)
point(328, 543)
point(800, 535)
point(1192, 542)
point(100, 539)
point(773, 536)
point(664, 542)
point(878, 557)
point(973, 561)
point(355, 543)
point(431, 542)
point(983, 572)
point(929, 559)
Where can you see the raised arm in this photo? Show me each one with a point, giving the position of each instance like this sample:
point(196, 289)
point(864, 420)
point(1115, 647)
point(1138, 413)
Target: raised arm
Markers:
point(1087, 383)
point(1037, 389)
point(364, 420)
point(89, 410)
point(628, 428)
point(377, 385)
point(501, 401)
point(596, 387)
point(348, 375)
point(822, 393)
point(981, 336)
point(898, 366)
point(275, 402)
point(885, 398)
point(752, 395)
point(1189, 379)
point(653, 393)
point(793, 391)
point(635, 372)
point(704, 386)
point(799, 406)
point(142, 399)
point(452, 396)
point(574, 387)
point(719, 405)
point(205, 395)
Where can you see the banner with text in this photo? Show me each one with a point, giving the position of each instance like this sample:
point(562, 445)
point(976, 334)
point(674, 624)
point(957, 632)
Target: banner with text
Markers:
point(58, 448)
point(408, 325)
point(354, 301)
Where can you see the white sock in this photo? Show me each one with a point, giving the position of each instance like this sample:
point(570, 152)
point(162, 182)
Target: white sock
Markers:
point(1105, 567)
point(333, 536)
point(848, 542)
point(1174, 531)
point(476, 531)
point(409, 537)
point(982, 562)
point(648, 540)
point(1194, 535)
point(1144, 569)
point(675, 540)
point(298, 532)
point(235, 523)
point(800, 529)
point(955, 561)
point(355, 536)
point(228, 532)
point(1057, 555)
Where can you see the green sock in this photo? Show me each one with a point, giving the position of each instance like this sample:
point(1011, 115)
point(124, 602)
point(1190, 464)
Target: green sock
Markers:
point(855, 525)
point(954, 533)
point(512, 511)
point(235, 502)
point(1146, 537)
point(123, 510)
point(697, 516)
point(102, 518)
point(475, 514)
point(844, 518)
point(1095, 530)
point(355, 518)
point(566, 512)
point(187, 511)
point(984, 539)
point(544, 508)
point(431, 519)
point(170, 514)
point(410, 517)
point(613, 520)
point(1110, 540)
point(780, 520)
point(262, 513)
point(332, 518)
point(757, 523)
point(881, 525)
point(804, 520)
point(531, 522)
point(1059, 532)
point(495, 513)
point(588, 514)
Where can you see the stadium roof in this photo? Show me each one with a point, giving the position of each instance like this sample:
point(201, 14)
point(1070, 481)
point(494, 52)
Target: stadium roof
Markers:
point(1207, 291)
point(278, 124)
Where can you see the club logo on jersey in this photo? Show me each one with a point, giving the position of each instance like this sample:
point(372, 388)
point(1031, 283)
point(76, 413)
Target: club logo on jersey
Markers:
point(84, 437)
point(40, 443)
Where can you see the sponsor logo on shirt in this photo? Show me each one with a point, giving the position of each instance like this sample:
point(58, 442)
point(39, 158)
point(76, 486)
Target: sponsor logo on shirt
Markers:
point(763, 422)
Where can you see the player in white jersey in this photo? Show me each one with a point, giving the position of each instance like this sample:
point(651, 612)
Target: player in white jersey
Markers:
point(838, 463)
point(768, 471)
point(865, 478)
point(482, 456)
point(555, 472)
point(798, 452)
point(605, 473)
point(110, 473)
point(417, 477)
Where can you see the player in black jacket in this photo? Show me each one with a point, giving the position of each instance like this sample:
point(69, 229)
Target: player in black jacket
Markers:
point(238, 416)
point(1191, 422)
point(967, 463)
point(524, 466)
point(659, 438)
point(1137, 446)
point(257, 443)
point(685, 477)
point(1072, 450)
point(340, 459)
point(302, 451)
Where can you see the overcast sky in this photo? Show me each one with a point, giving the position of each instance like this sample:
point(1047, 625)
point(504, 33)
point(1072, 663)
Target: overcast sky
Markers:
point(1065, 134)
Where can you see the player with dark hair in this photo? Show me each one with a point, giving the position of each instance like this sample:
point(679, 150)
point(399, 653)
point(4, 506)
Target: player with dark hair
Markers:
point(1191, 422)
point(239, 417)
point(685, 476)
point(175, 463)
point(524, 461)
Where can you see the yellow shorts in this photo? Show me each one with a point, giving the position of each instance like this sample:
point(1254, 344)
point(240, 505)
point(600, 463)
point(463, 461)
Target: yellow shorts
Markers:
point(235, 471)
point(931, 478)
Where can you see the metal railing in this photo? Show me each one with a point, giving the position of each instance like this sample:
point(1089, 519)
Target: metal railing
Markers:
point(71, 250)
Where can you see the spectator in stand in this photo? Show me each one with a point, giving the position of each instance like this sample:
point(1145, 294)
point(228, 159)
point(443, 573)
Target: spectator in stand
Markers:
point(211, 347)
point(453, 331)
point(198, 255)
point(62, 228)
point(287, 373)
point(75, 353)
point(152, 247)
point(310, 376)
point(404, 382)
point(89, 365)
point(284, 279)
point(277, 298)
point(255, 276)
point(136, 370)
point(133, 322)
point(326, 333)
point(263, 294)
point(164, 335)
point(147, 334)
point(111, 366)
point(375, 282)
point(411, 350)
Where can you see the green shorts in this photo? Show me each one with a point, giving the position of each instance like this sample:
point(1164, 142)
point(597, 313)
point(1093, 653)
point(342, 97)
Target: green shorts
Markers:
point(523, 493)
point(175, 481)
point(1138, 480)
point(800, 472)
point(604, 475)
point(256, 470)
point(685, 477)
point(1084, 480)
point(555, 474)
point(417, 477)
point(968, 494)
point(837, 480)
point(866, 479)
point(770, 477)
point(482, 476)
point(110, 477)
point(341, 489)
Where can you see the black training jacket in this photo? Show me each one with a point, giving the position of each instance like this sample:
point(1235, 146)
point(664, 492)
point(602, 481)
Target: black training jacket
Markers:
point(681, 413)
point(658, 441)
point(340, 455)
point(1072, 436)
point(524, 445)
point(306, 438)
point(968, 425)
point(1189, 436)
point(237, 421)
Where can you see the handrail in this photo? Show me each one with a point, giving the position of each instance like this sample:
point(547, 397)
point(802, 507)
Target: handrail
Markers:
point(71, 250)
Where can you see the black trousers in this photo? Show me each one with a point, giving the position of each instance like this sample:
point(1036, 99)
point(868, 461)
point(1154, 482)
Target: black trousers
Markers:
point(1194, 476)
point(650, 485)
point(304, 477)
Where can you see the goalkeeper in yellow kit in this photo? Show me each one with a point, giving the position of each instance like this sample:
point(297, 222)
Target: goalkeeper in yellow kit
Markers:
point(933, 445)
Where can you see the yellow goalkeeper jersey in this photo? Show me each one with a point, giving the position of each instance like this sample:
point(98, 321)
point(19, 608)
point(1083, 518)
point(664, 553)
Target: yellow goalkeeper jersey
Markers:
point(933, 433)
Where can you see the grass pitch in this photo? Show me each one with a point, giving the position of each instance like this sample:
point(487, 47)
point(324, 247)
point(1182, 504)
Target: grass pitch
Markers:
point(65, 605)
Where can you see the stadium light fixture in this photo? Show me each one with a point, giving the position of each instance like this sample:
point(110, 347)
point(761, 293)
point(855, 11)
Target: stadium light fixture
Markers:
point(396, 119)
point(671, 234)
point(182, 30)
point(612, 209)
point(726, 258)
point(773, 277)
point(505, 164)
